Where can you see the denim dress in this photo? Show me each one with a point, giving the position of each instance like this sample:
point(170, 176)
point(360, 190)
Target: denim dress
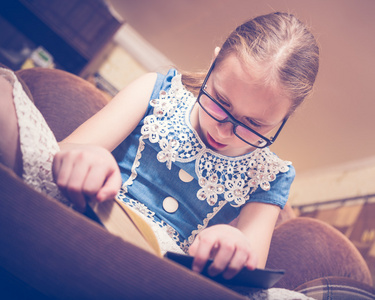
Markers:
point(171, 178)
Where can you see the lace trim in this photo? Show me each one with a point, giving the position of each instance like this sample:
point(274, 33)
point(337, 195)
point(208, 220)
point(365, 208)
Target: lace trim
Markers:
point(135, 165)
point(37, 142)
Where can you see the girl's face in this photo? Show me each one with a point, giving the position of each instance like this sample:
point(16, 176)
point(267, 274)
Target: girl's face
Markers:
point(260, 108)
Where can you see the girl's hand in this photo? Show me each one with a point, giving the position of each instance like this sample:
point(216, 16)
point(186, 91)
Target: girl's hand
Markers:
point(227, 246)
point(85, 171)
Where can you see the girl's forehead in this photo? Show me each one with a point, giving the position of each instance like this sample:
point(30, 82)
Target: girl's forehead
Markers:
point(246, 72)
point(247, 93)
point(233, 71)
point(234, 65)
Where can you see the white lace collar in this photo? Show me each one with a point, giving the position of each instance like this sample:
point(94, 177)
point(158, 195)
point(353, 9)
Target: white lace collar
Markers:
point(235, 177)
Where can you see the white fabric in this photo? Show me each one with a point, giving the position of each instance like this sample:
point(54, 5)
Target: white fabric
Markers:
point(37, 142)
point(277, 294)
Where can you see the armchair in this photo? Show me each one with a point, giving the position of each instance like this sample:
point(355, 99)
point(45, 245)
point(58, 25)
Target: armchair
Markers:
point(50, 251)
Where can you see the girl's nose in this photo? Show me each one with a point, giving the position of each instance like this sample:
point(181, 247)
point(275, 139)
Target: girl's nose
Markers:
point(225, 130)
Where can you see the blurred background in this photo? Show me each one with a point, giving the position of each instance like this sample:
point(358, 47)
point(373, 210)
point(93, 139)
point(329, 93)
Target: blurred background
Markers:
point(330, 139)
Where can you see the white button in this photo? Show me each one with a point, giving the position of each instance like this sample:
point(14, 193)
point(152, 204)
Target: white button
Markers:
point(170, 205)
point(184, 176)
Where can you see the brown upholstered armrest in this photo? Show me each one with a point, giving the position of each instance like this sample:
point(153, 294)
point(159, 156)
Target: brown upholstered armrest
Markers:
point(65, 100)
point(309, 249)
point(63, 255)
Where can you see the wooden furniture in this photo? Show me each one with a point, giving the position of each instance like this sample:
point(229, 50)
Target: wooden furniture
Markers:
point(77, 33)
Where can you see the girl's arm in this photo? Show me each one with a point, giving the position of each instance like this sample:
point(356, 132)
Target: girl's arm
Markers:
point(257, 221)
point(84, 168)
point(233, 248)
point(111, 125)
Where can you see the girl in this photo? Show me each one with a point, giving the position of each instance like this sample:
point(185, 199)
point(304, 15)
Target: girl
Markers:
point(193, 152)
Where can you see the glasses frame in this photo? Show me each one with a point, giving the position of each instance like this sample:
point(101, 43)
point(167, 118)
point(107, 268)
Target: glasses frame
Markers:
point(231, 119)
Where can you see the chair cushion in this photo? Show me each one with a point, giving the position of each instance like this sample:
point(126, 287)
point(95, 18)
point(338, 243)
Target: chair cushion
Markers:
point(309, 249)
point(342, 288)
point(64, 99)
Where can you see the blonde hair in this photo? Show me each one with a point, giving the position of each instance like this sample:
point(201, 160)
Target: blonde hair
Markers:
point(278, 48)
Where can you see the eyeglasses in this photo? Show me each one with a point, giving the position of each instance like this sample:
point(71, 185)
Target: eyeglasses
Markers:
point(216, 111)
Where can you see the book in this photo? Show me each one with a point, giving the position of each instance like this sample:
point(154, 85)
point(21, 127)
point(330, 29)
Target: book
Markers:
point(258, 278)
point(123, 222)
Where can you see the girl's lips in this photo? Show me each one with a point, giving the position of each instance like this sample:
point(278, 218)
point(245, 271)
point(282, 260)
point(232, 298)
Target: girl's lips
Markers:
point(213, 143)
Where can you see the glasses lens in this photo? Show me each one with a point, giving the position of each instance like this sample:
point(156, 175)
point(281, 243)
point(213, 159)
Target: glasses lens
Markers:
point(250, 137)
point(212, 108)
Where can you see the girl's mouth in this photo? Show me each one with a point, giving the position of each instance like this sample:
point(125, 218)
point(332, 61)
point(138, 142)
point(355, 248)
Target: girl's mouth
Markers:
point(213, 144)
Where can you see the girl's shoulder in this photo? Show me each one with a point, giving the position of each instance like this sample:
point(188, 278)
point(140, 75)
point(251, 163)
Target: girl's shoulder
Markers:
point(163, 82)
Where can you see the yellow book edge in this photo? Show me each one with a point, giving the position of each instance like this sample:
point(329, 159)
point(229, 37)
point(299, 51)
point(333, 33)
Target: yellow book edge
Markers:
point(122, 221)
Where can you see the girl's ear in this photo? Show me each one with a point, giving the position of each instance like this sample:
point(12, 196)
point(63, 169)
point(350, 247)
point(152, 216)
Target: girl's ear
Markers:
point(216, 52)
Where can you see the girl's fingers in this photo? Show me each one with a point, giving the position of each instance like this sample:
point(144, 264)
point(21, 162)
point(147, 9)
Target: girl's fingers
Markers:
point(61, 170)
point(201, 253)
point(110, 188)
point(222, 259)
point(252, 262)
point(75, 184)
point(228, 248)
point(83, 172)
point(102, 182)
point(236, 264)
point(94, 181)
point(70, 175)
point(61, 173)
